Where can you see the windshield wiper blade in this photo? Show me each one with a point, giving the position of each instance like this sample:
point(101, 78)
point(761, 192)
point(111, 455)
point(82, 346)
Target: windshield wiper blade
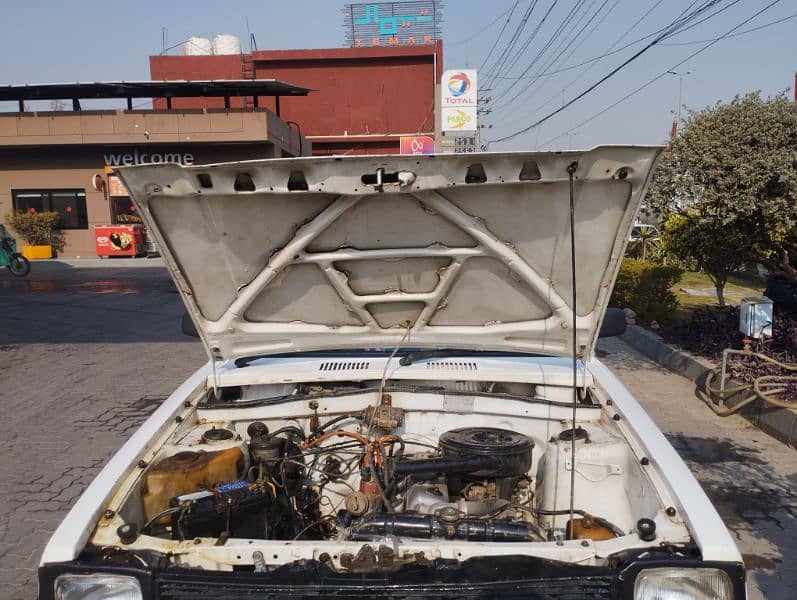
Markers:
point(412, 357)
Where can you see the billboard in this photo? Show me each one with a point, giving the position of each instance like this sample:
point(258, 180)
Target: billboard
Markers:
point(459, 100)
point(393, 23)
point(416, 144)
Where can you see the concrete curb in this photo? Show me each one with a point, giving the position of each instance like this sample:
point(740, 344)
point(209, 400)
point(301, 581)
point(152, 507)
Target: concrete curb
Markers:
point(780, 423)
point(101, 263)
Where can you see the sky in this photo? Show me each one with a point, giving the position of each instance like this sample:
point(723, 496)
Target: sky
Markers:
point(91, 40)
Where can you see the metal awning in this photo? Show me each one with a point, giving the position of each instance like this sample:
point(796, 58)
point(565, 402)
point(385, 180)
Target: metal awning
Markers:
point(218, 88)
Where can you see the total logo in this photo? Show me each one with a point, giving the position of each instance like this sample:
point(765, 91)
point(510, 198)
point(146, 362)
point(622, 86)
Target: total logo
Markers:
point(459, 88)
point(459, 84)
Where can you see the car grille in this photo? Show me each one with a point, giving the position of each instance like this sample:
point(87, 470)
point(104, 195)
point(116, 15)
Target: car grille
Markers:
point(250, 587)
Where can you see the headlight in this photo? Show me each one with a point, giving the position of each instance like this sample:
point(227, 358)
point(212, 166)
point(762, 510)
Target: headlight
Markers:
point(682, 584)
point(97, 587)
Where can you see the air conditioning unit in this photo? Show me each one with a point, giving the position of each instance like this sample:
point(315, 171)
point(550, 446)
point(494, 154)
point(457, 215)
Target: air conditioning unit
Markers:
point(755, 317)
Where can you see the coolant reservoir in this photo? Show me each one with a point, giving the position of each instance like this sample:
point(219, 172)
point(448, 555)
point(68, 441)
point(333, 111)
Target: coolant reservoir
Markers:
point(607, 478)
point(186, 472)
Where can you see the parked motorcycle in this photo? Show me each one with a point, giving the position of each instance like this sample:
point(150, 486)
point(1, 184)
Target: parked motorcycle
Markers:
point(18, 265)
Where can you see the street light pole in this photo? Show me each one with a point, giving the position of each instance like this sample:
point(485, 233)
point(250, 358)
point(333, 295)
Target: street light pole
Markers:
point(680, 98)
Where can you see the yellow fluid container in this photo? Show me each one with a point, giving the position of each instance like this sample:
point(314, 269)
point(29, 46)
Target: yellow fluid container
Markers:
point(187, 472)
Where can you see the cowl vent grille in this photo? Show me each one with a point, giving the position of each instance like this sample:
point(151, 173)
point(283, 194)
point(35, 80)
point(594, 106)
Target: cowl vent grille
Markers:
point(451, 365)
point(344, 366)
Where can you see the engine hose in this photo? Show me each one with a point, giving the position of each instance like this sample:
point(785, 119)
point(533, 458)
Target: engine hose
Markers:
point(428, 527)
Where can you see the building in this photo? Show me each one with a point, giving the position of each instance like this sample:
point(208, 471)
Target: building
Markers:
point(364, 98)
point(61, 160)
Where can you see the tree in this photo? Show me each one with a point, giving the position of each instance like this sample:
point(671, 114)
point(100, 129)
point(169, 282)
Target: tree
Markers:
point(731, 177)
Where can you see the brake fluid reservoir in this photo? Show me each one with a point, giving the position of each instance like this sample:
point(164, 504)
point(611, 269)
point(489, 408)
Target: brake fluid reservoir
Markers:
point(189, 471)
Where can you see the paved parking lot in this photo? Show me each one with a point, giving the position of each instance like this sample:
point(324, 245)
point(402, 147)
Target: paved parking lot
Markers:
point(88, 353)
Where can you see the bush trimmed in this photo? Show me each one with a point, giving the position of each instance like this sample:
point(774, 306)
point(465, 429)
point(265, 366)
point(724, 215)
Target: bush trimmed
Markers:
point(644, 287)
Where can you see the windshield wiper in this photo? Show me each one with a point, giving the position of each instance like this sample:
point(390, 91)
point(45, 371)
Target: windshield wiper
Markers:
point(412, 357)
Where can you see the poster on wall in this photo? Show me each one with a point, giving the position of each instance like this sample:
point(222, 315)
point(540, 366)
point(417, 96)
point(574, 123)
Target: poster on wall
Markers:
point(416, 144)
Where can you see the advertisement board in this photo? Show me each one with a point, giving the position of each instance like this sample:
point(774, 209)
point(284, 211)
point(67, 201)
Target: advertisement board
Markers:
point(416, 144)
point(460, 119)
point(459, 100)
point(393, 23)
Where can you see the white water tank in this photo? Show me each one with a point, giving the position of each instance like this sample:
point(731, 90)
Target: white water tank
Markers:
point(197, 46)
point(225, 43)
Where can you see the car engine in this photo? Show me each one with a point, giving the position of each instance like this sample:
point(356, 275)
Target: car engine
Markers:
point(332, 483)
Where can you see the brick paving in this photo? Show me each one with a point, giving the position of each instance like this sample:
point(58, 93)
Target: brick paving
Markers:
point(86, 355)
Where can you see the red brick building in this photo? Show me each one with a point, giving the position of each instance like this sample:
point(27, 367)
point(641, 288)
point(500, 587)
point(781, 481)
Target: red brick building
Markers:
point(364, 99)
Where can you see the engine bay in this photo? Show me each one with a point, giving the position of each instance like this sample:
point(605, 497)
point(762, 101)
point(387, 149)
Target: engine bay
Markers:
point(348, 465)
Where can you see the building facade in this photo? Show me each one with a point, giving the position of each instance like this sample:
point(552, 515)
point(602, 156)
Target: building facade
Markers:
point(62, 161)
point(364, 99)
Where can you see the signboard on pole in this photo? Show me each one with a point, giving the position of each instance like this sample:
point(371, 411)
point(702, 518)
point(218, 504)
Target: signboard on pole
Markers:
point(459, 100)
point(416, 144)
point(393, 23)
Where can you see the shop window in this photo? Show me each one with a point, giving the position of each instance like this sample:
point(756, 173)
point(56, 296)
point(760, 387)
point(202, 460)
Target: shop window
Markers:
point(123, 211)
point(69, 204)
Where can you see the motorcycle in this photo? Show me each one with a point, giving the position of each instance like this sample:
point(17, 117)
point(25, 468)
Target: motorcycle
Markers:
point(18, 265)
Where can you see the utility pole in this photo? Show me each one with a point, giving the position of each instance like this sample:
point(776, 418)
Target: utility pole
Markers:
point(677, 120)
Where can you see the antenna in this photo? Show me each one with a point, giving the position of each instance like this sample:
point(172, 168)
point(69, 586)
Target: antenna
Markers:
point(571, 172)
point(164, 39)
point(248, 33)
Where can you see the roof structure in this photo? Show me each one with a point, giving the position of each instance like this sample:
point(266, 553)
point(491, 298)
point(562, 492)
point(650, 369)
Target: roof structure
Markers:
point(220, 88)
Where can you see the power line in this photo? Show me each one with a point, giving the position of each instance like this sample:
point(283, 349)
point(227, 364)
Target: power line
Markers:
point(557, 32)
point(727, 34)
point(671, 30)
point(483, 29)
point(500, 35)
point(746, 31)
point(502, 58)
point(589, 67)
point(677, 25)
point(530, 38)
point(559, 57)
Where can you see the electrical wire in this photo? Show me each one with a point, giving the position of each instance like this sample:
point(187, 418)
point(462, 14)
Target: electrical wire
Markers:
point(654, 79)
point(589, 65)
point(476, 34)
point(384, 372)
point(500, 34)
point(670, 31)
point(551, 40)
point(506, 52)
point(528, 41)
point(663, 33)
point(745, 32)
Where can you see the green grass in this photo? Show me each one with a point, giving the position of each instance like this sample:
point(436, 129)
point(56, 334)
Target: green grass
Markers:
point(739, 286)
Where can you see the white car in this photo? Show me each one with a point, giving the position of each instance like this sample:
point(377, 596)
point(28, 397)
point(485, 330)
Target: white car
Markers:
point(400, 401)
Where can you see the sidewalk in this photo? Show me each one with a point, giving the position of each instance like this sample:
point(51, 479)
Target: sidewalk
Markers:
point(750, 477)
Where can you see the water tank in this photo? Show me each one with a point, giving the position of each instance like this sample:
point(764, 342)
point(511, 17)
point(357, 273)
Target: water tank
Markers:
point(224, 43)
point(197, 46)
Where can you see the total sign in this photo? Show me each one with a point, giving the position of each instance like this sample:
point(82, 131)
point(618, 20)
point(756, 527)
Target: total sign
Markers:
point(459, 100)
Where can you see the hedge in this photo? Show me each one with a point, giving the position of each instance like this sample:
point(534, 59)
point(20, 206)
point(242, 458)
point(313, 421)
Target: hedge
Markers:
point(644, 287)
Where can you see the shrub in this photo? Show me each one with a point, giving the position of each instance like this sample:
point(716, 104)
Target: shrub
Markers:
point(707, 331)
point(37, 228)
point(644, 287)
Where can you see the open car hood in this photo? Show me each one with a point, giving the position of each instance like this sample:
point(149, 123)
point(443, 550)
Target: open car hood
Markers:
point(468, 251)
